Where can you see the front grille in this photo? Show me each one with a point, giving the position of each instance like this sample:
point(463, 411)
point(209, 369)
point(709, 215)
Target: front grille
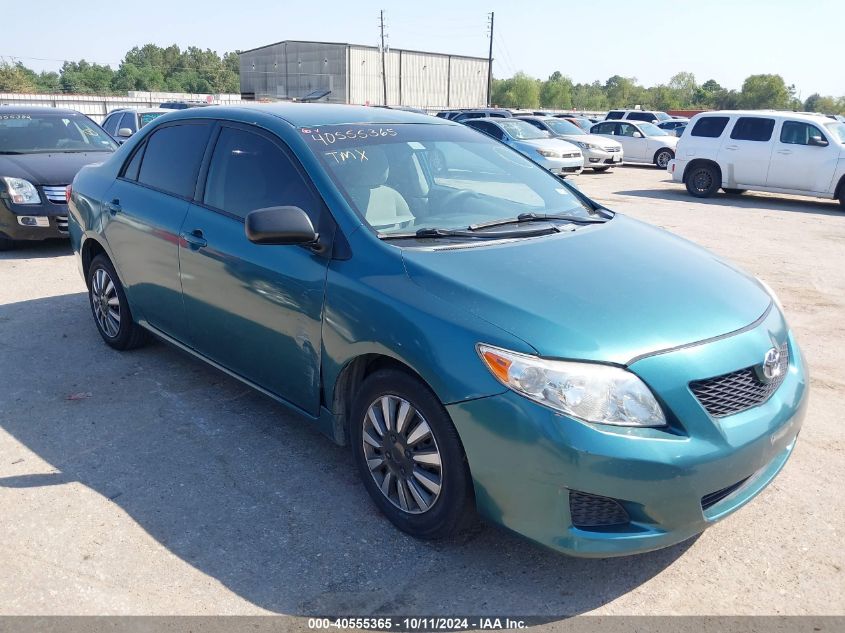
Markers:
point(56, 194)
point(738, 391)
point(708, 501)
point(589, 511)
point(61, 223)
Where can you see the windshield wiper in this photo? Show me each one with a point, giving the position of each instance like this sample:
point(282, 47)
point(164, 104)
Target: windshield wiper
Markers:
point(537, 217)
point(428, 233)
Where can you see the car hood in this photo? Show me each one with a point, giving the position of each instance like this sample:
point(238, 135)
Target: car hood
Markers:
point(48, 169)
point(547, 143)
point(607, 292)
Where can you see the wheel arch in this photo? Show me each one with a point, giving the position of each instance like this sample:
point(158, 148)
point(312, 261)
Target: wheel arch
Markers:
point(840, 187)
point(660, 149)
point(701, 162)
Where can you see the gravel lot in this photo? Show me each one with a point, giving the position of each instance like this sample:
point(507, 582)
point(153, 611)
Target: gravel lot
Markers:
point(148, 483)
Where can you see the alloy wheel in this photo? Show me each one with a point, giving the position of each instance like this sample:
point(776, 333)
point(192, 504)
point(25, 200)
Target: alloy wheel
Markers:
point(402, 454)
point(663, 159)
point(106, 303)
point(702, 180)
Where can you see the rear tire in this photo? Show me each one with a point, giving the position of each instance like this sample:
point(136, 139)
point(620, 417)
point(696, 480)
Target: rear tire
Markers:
point(702, 181)
point(411, 460)
point(734, 192)
point(662, 157)
point(110, 308)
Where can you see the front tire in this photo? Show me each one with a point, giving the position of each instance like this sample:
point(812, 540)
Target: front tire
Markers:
point(110, 307)
point(662, 157)
point(702, 181)
point(410, 457)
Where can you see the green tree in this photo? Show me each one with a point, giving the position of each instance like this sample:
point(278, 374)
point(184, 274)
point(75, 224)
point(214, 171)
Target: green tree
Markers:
point(827, 105)
point(556, 92)
point(520, 91)
point(16, 78)
point(620, 91)
point(684, 87)
point(83, 77)
point(765, 91)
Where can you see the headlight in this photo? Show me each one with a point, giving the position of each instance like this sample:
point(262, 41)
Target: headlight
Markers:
point(548, 153)
point(601, 394)
point(771, 293)
point(21, 191)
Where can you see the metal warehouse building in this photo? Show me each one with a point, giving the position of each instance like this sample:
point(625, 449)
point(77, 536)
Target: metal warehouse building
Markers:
point(293, 69)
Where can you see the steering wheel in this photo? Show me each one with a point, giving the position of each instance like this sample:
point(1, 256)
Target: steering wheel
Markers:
point(457, 196)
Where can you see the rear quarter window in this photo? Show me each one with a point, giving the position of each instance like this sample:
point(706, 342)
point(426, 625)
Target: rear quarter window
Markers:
point(749, 128)
point(710, 126)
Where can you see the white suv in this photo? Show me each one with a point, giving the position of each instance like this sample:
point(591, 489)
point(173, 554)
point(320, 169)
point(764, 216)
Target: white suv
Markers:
point(782, 152)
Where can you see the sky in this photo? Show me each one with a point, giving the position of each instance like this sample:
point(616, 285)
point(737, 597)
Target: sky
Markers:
point(651, 40)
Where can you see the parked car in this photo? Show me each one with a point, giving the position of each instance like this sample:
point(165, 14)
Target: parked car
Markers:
point(781, 152)
point(649, 116)
point(424, 294)
point(583, 122)
point(673, 124)
point(184, 105)
point(124, 122)
point(41, 149)
point(679, 131)
point(448, 114)
point(495, 113)
point(642, 142)
point(559, 157)
point(600, 153)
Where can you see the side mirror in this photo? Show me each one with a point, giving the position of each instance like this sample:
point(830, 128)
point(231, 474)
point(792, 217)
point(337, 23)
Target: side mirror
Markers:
point(124, 132)
point(280, 225)
point(817, 141)
point(637, 135)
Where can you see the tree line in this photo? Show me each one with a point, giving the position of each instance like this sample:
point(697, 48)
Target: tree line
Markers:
point(149, 68)
point(682, 92)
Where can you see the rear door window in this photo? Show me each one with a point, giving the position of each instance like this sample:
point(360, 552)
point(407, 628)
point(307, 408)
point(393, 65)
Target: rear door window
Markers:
point(710, 126)
point(603, 128)
point(110, 124)
point(748, 128)
point(172, 158)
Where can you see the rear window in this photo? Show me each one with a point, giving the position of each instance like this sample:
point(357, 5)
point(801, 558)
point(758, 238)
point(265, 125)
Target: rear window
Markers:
point(749, 128)
point(172, 158)
point(710, 126)
point(614, 114)
point(641, 116)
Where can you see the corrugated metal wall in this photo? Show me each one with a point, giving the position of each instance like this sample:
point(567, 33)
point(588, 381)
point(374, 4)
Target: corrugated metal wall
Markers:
point(291, 70)
point(423, 80)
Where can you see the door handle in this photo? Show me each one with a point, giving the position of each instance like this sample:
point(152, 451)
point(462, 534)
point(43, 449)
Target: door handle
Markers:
point(194, 239)
point(731, 147)
point(113, 207)
point(784, 151)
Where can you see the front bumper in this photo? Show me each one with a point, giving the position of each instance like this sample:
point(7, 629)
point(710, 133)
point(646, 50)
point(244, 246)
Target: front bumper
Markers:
point(600, 158)
point(562, 166)
point(52, 215)
point(525, 459)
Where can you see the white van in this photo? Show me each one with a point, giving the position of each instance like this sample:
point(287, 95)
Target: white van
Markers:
point(763, 150)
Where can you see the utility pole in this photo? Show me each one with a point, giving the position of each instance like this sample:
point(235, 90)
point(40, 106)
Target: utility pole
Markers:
point(490, 63)
point(383, 67)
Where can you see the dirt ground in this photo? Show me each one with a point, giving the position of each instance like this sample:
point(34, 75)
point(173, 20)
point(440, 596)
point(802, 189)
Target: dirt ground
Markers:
point(148, 483)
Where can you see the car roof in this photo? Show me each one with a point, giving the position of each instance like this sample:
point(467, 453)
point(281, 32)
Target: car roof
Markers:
point(141, 110)
point(807, 116)
point(37, 110)
point(313, 114)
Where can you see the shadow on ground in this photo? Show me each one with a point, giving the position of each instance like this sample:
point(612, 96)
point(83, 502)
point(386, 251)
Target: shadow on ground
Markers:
point(750, 201)
point(251, 495)
point(37, 250)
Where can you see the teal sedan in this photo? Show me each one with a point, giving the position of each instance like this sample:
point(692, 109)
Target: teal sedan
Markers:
point(486, 339)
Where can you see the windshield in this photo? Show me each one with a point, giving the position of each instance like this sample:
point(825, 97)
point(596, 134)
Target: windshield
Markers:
point(146, 117)
point(27, 133)
point(522, 130)
point(650, 129)
point(661, 116)
point(561, 126)
point(401, 178)
point(837, 129)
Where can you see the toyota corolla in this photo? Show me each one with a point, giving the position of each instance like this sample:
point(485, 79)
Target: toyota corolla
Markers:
point(486, 339)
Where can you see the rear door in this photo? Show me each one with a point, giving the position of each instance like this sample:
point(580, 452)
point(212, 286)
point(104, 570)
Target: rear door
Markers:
point(147, 205)
point(255, 309)
point(745, 154)
point(800, 162)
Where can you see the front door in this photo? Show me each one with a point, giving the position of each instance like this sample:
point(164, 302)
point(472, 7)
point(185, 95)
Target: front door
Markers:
point(254, 309)
point(147, 205)
point(800, 161)
point(633, 147)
